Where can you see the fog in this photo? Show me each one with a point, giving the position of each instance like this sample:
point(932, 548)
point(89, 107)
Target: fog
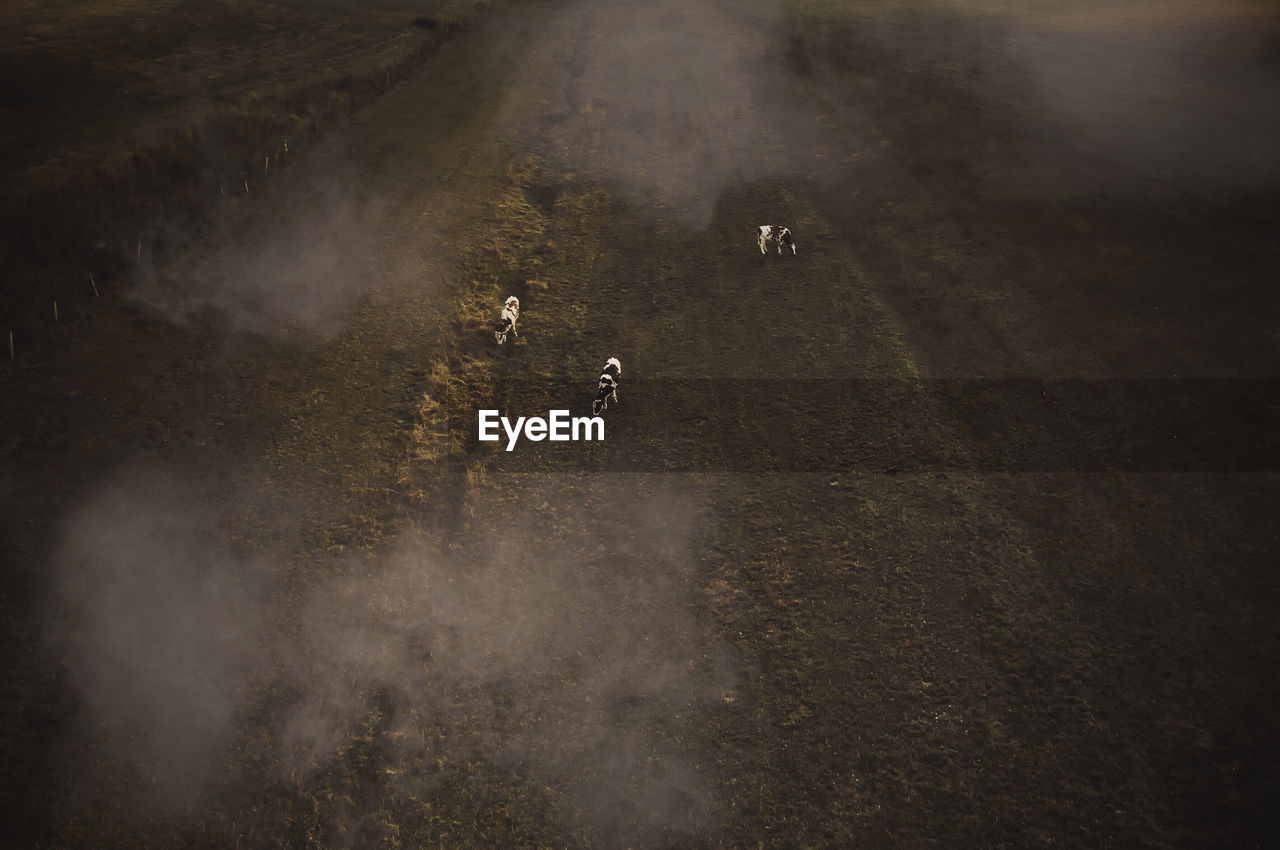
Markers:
point(1168, 95)
point(562, 658)
point(157, 625)
point(560, 654)
point(301, 264)
point(559, 636)
point(675, 102)
point(1180, 92)
point(669, 102)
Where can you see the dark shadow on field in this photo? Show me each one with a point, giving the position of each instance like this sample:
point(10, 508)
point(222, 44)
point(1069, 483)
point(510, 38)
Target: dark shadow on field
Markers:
point(811, 425)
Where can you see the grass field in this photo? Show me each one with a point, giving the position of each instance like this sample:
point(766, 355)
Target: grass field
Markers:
point(134, 128)
point(937, 533)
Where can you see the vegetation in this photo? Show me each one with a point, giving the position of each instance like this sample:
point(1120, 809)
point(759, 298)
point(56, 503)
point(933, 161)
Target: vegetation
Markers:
point(790, 601)
point(167, 117)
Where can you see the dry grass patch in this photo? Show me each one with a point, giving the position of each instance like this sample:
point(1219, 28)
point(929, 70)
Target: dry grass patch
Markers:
point(515, 254)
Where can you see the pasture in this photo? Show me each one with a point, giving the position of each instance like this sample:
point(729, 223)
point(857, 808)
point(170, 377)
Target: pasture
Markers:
point(953, 528)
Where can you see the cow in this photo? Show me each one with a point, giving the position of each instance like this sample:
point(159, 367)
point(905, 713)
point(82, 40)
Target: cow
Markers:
point(767, 234)
point(507, 324)
point(608, 388)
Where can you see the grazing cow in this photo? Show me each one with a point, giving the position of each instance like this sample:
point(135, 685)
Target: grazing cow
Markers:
point(608, 388)
point(772, 233)
point(507, 324)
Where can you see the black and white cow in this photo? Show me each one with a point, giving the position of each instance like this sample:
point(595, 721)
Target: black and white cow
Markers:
point(507, 324)
point(608, 388)
point(773, 234)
